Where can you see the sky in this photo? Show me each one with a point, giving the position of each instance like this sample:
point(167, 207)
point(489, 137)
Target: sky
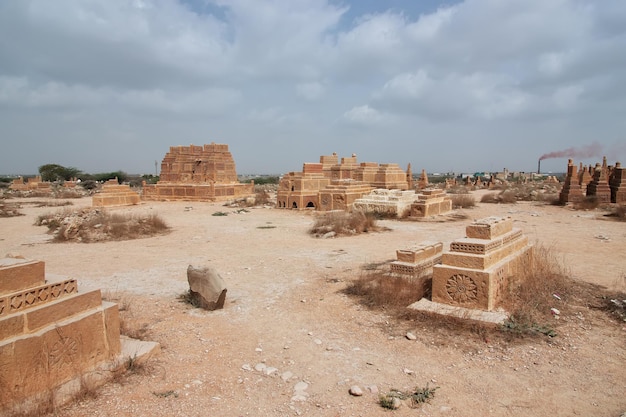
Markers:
point(463, 86)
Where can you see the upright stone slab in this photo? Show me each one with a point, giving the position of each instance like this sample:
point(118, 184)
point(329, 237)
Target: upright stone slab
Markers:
point(478, 267)
point(50, 334)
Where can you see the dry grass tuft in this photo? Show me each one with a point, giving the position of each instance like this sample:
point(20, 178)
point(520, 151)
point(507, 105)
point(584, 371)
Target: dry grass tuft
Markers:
point(375, 289)
point(618, 213)
point(95, 225)
point(587, 203)
point(341, 223)
point(543, 283)
point(463, 201)
point(10, 210)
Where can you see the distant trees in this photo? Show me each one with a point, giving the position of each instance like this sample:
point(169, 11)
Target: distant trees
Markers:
point(55, 172)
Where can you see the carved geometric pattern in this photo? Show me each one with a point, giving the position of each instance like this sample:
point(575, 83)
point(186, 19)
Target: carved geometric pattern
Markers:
point(35, 296)
point(63, 352)
point(461, 288)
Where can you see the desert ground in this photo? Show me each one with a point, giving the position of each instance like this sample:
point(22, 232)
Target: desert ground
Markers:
point(289, 342)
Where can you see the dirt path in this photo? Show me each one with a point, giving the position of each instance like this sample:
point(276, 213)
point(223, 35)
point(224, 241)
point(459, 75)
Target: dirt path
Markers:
point(285, 310)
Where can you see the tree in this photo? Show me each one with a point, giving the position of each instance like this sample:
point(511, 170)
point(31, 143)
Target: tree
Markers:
point(55, 172)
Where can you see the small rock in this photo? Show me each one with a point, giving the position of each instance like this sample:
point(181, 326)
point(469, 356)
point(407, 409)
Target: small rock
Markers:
point(298, 397)
point(246, 367)
point(300, 386)
point(411, 336)
point(408, 371)
point(317, 342)
point(396, 403)
point(356, 391)
point(286, 376)
point(270, 370)
point(373, 389)
point(258, 349)
point(260, 367)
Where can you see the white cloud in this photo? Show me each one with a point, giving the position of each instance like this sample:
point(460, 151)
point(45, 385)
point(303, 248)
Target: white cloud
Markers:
point(364, 115)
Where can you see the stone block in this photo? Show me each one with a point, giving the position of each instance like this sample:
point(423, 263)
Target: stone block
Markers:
point(207, 287)
point(420, 253)
point(55, 311)
point(489, 228)
point(19, 274)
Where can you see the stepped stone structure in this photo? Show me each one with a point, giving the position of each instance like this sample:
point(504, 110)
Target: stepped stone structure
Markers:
point(51, 335)
point(395, 203)
point(432, 202)
point(115, 194)
point(571, 192)
point(618, 184)
point(599, 186)
point(198, 173)
point(478, 267)
point(334, 185)
point(341, 195)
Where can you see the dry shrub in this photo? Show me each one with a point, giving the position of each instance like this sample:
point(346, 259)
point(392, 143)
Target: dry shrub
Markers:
point(10, 210)
point(341, 223)
point(95, 225)
point(489, 198)
point(463, 201)
point(619, 212)
point(460, 189)
point(378, 290)
point(542, 283)
point(588, 203)
point(505, 197)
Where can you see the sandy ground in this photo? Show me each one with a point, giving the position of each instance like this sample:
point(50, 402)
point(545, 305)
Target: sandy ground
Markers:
point(285, 310)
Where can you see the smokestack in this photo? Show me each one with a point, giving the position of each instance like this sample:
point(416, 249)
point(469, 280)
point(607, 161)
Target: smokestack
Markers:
point(539, 166)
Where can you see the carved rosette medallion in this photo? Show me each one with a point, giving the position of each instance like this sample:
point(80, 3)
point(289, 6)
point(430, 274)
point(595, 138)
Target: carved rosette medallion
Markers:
point(461, 289)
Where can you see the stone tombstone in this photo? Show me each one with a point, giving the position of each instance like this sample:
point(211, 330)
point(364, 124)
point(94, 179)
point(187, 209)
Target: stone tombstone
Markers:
point(206, 287)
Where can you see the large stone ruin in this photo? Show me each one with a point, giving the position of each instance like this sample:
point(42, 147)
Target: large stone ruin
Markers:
point(198, 173)
point(54, 341)
point(334, 185)
point(478, 267)
point(115, 194)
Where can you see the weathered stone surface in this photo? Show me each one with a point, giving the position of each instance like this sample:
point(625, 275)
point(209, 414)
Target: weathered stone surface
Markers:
point(51, 337)
point(207, 287)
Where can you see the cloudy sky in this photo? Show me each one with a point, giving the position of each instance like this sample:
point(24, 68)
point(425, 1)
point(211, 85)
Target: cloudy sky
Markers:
point(105, 85)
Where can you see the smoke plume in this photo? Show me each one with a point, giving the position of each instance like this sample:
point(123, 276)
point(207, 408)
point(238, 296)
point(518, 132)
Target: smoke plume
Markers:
point(592, 150)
